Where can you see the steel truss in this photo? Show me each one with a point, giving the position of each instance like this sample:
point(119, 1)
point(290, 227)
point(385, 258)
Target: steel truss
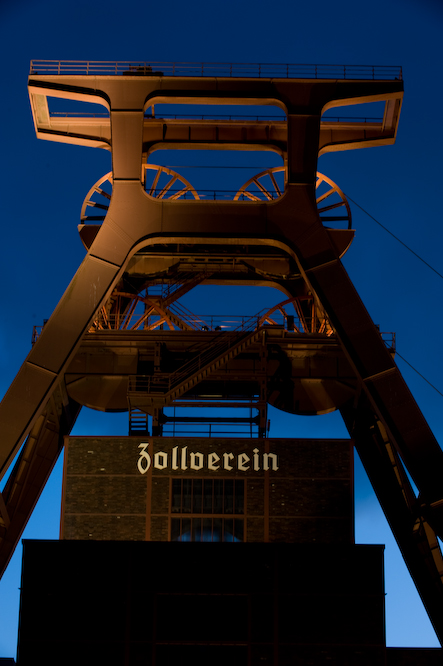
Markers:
point(387, 426)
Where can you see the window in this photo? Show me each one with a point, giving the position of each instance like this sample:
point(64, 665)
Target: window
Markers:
point(207, 510)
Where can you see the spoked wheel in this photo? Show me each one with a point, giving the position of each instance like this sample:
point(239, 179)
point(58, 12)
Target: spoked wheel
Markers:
point(131, 312)
point(97, 199)
point(331, 198)
point(158, 181)
point(305, 317)
point(269, 185)
point(163, 183)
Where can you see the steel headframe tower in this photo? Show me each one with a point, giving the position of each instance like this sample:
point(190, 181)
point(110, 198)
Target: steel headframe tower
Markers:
point(281, 235)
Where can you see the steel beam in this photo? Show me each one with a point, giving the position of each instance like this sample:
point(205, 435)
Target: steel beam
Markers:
point(291, 223)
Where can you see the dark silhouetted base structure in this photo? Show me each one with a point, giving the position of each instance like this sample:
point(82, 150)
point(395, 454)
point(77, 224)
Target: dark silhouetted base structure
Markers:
point(164, 604)
point(171, 603)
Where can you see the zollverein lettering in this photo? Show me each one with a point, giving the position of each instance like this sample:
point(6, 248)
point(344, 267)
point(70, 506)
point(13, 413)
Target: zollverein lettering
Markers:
point(182, 459)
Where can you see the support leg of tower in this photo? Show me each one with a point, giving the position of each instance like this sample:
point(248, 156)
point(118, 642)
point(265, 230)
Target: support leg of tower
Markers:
point(414, 536)
point(32, 468)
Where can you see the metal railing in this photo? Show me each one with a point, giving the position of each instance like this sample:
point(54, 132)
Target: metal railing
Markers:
point(262, 117)
point(206, 323)
point(166, 382)
point(255, 118)
point(196, 429)
point(78, 114)
point(210, 69)
point(214, 195)
point(217, 324)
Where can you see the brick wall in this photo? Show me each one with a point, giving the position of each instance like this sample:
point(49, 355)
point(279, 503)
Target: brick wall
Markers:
point(119, 487)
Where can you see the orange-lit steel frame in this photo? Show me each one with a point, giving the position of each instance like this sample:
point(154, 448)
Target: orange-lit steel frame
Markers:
point(387, 426)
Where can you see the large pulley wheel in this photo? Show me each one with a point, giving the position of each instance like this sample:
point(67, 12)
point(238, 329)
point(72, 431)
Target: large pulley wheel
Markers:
point(332, 204)
point(158, 181)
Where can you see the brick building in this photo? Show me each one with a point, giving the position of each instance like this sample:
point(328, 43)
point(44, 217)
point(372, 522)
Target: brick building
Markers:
point(196, 489)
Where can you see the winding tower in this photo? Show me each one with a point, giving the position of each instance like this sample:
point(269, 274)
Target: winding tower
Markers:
point(120, 340)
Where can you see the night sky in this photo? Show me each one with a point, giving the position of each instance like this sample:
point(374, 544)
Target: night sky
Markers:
point(43, 185)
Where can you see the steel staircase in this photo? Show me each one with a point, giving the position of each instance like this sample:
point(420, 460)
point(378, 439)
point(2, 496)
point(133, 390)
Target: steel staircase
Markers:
point(163, 389)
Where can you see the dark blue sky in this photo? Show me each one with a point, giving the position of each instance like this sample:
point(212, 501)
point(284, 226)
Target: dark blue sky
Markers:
point(43, 185)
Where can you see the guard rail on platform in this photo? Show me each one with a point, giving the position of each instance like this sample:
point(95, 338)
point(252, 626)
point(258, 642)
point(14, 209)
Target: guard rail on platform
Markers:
point(237, 70)
point(217, 324)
